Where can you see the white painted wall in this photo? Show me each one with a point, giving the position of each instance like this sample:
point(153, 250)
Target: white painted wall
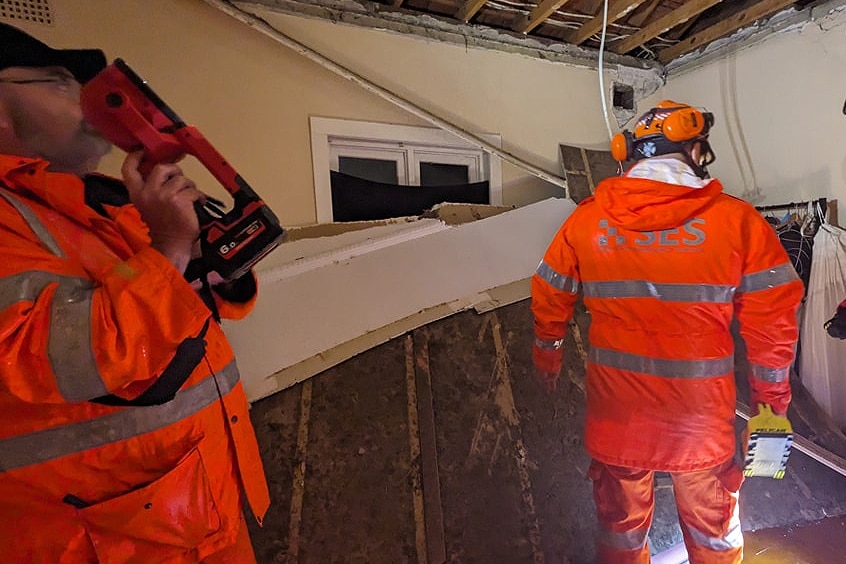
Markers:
point(780, 133)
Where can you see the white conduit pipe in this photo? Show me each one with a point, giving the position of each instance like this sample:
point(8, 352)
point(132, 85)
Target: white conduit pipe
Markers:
point(260, 25)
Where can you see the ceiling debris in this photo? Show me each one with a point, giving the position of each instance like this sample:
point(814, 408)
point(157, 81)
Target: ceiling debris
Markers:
point(370, 291)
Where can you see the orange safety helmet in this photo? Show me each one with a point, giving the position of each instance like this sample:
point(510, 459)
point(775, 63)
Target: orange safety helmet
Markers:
point(664, 129)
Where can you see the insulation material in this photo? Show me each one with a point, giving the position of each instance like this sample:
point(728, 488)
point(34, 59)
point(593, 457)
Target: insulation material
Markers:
point(352, 299)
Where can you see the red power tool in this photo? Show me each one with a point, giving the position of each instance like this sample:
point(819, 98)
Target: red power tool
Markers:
point(128, 113)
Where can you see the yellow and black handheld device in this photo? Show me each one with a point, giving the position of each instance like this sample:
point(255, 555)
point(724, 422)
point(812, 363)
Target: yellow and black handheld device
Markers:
point(770, 438)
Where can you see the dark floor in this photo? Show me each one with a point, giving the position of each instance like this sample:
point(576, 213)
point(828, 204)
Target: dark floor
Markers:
point(438, 446)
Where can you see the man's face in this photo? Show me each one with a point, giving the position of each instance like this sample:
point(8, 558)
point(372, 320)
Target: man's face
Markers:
point(44, 119)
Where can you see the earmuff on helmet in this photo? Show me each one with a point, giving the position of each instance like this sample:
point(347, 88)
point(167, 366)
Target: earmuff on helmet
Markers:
point(663, 129)
point(667, 128)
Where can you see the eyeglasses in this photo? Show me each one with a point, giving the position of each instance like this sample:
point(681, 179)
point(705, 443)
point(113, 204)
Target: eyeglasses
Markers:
point(62, 81)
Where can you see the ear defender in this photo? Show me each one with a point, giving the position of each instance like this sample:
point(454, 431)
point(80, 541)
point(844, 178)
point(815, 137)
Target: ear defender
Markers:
point(622, 146)
point(687, 123)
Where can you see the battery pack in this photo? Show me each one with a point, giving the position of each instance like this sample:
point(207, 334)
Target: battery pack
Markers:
point(769, 443)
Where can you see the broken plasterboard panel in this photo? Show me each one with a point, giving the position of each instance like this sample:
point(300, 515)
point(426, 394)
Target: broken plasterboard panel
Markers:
point(317, 230)
point(298, 252)
point(307, 322)
point(456, 214)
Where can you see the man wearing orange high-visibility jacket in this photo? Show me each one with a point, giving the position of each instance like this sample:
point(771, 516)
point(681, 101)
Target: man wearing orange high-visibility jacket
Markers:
point(125, 434)
point(665, 261)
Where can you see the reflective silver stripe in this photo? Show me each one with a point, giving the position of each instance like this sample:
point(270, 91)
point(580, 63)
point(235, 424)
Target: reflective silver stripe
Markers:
point(770, 278)
point(556, 280)
point(49, 444)
point(711, 293)
point(732, 540)
point(772, 375)
point(663, 367)
point(34, 223)
point(69, 346)
point(27, 286)
point(629, 540)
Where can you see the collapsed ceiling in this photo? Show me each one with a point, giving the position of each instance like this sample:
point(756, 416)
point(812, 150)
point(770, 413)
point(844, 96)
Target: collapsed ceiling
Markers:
point(651, 31)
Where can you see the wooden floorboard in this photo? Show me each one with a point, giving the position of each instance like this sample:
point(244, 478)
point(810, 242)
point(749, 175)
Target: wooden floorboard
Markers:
point(499, 459)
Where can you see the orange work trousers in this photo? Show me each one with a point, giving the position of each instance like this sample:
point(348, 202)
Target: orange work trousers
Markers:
point(706, 501)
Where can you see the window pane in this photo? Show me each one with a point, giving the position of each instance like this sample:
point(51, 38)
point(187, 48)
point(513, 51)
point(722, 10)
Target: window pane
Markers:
point(375, 170)
point(439, 174)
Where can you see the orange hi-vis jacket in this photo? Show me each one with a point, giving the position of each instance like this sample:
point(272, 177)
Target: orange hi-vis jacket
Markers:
point(96, 463)
point(664, 268)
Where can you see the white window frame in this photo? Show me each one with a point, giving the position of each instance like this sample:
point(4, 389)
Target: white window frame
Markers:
point(385, 141)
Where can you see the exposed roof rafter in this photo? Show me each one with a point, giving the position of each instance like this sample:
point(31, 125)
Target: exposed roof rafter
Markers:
point(662, 24)
point(542, 11)
point(743, 18)
point(642, 33)
point(642, 16)
point(469, 9)
point(616, 10)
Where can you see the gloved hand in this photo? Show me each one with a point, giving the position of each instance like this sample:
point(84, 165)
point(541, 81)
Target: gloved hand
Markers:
point(778, 407)
point(836, 326)
point(547, 361)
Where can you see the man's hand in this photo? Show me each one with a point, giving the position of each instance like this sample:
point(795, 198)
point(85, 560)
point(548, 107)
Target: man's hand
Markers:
point(165, 200)
point(778, 408)
point(547, 358)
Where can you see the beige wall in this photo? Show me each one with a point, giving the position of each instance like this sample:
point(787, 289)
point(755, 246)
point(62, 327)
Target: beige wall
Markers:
point(252, 97)
point(780, 132)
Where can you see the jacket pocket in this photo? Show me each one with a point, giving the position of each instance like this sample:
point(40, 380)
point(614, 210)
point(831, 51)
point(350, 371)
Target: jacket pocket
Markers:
point(159, 521)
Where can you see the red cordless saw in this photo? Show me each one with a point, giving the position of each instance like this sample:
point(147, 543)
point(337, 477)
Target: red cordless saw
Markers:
point(128, 113)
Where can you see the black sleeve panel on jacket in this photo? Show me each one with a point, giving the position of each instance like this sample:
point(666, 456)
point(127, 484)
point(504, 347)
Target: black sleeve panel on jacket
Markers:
point(188, 355)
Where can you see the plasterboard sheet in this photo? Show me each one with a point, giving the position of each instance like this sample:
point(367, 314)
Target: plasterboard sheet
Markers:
point(307, 243)
point(357, 302)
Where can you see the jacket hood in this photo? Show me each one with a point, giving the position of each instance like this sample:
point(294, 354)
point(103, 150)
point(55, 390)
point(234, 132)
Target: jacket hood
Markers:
point(641, 204)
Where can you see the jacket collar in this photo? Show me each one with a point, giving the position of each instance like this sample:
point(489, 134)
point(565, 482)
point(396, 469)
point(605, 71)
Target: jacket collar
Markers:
point(29, 178)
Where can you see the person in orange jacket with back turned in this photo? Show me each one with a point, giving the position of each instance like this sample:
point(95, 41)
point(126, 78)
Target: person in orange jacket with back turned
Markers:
point(665, 261)
point(125, 435)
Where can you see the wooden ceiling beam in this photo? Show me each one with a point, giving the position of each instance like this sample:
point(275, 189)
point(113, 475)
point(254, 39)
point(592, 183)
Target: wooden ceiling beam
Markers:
point(662, 24)
point(616, 10)
point(744, 17)
point(643, 15)
point(546, 8)
point(469, 9)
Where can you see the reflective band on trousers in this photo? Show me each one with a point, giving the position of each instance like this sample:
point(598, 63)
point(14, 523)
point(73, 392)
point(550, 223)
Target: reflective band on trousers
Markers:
point(663, 367)
point(629, 540)
point(69, 346)
point(556, 280)
point(770, 278)
point(772, 375)
point(711, 293)
point(49, 444)
point(733, 539)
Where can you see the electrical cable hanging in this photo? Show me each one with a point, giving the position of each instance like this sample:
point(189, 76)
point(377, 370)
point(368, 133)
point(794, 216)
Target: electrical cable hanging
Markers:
point(601, 74)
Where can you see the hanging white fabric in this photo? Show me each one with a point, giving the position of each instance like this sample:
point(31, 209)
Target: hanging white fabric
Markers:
point(822, 362)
